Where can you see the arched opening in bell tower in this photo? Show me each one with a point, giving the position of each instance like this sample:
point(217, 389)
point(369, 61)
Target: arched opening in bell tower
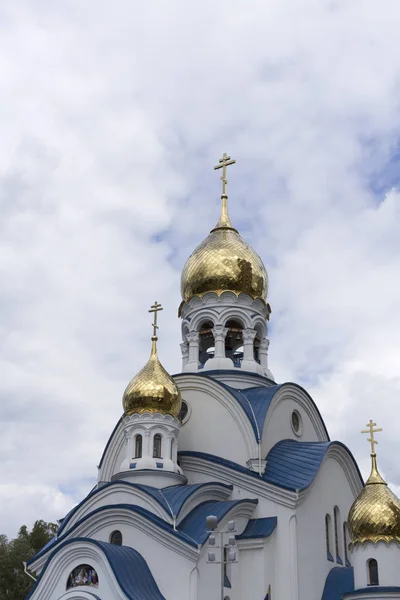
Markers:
point(206, 343)
point(234, 341)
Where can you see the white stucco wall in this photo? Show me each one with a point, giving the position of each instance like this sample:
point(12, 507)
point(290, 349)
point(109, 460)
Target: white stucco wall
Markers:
point(330, 488)
point(217, 424)
point(387, 557)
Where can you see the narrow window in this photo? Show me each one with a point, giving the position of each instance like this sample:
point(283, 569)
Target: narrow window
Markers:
point(157, 446)
point(336, 518)
point(328, 537)
point(172, 448)
point(346, 543)
point(373, 576)
point(138, 446)
point(116, 538)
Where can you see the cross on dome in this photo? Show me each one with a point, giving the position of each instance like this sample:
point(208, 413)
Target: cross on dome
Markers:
point(224, 162)
point(371, 431)
point(155, 308)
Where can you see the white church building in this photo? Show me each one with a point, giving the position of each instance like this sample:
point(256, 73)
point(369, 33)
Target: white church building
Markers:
point(218, 482)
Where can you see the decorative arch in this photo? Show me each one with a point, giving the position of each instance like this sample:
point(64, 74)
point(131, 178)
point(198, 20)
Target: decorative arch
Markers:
point(207, 314)
point(124, 490)
point(190, 382)
point(91, 552)
point(294, 392)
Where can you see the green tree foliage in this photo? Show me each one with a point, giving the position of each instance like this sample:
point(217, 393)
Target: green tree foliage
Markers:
point(14, 583)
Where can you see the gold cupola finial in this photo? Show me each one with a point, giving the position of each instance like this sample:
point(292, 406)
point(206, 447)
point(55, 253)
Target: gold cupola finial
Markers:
point(375, 514)
point(374, 476)
point(224, 262)
point(224, 221)
point(152, 390)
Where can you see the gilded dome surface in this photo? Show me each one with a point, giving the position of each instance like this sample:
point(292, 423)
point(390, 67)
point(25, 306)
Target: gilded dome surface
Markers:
point(375, 513)
point(224, 262)
point(152, 390)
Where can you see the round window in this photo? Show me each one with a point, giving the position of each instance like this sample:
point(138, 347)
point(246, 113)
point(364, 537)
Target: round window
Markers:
point(296, 423)
point(185, 412)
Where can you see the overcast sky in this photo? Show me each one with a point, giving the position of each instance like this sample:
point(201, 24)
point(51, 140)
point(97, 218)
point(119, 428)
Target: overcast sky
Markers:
point(112, 116)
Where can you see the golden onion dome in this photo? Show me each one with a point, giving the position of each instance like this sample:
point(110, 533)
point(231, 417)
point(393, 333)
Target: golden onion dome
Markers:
point(375, 514)
point(152, 390)
point(224, 262)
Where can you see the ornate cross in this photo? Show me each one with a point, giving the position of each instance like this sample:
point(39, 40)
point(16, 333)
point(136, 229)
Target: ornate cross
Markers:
point(224, 162)
point(371, 432)
point(155, 309)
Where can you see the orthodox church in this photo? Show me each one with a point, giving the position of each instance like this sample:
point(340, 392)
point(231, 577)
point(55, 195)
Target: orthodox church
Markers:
point(218, 482)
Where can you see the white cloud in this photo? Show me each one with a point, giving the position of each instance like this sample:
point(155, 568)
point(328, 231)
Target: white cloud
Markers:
point(111, 120)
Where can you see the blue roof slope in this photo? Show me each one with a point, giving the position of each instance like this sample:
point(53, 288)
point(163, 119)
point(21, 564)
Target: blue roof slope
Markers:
point(258, 528)
point(373, 589)
point(194, 524)
point(129, 567)
point(339, 581)
point(170, 498)
point(255, 402)
point(293, 465)
point(177, 495)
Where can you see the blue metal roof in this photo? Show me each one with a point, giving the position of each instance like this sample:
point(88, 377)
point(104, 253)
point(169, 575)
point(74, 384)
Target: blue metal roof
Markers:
point(376, 590)
point(339, 581)
point(194, 524)
point(255, 402)
point(177, 495)
point(258, 528)
point(129, 567)
point(171, 498)
point(291, 465)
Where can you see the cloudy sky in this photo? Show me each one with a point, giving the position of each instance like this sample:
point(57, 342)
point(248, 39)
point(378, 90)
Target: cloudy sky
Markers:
point(112, 116)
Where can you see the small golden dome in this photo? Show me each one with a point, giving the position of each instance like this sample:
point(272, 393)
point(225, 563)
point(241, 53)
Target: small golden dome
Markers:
point(375, 513)
point(224, 262)
point(152, 390)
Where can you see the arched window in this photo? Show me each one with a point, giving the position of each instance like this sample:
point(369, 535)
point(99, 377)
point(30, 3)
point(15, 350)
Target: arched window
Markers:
point(346, 544)
point(328, 537)
point(206, 343)
point(373, 577)
point(336, 519)
point(157, 446)
point(83, 575)
point(138, 446)
point(234, 341)
point(116, 538)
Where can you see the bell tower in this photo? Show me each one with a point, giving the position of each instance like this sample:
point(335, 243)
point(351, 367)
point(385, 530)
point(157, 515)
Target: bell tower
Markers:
point(224, 307)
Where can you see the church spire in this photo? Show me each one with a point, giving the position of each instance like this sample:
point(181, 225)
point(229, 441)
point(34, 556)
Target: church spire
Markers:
point(224, 221)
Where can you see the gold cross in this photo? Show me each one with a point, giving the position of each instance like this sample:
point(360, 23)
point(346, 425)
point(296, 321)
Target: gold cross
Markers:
point(225, 161)
point(371, 431)
point(154, 309)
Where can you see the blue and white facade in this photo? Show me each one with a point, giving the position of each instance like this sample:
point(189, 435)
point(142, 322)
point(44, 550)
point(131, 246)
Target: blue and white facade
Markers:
point(245, 449)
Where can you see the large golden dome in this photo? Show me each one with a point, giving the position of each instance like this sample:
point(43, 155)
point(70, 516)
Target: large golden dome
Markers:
point(224, 262)
point(152, 390)
point(375, 513)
